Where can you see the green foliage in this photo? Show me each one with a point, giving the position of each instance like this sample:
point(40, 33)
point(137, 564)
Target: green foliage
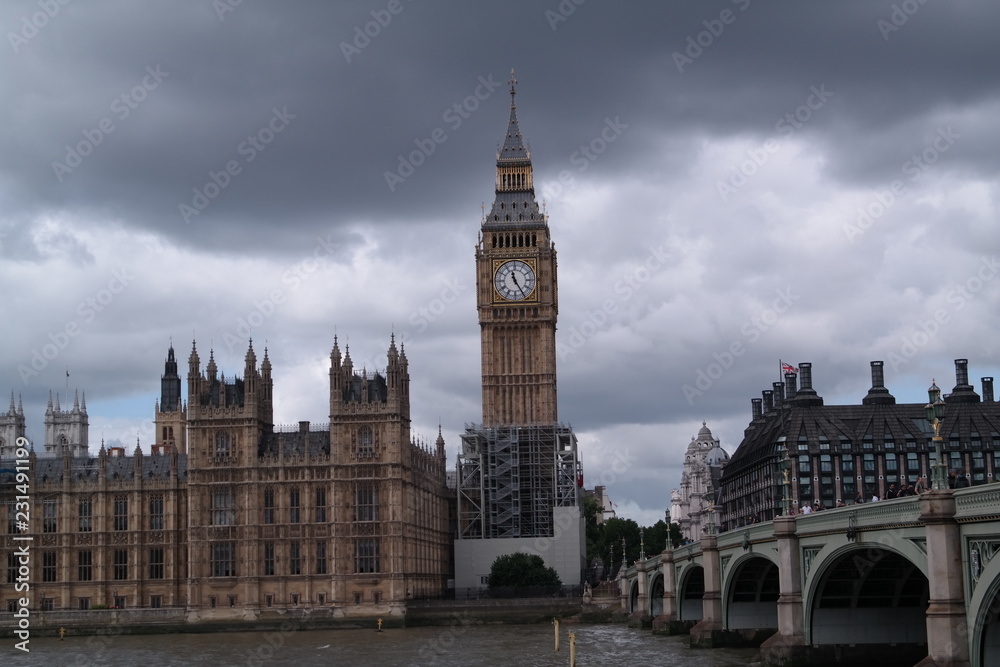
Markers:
point(604, 540)
point(521, 570)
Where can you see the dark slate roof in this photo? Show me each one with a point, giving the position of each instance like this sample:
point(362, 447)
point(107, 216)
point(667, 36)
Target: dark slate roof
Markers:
point(876, 423)
point(304, 444)
point(85, 470)
point(513, 150)
point(375, 386)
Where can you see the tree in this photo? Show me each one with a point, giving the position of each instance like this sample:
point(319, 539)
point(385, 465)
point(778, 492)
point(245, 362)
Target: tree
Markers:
point(520, 570)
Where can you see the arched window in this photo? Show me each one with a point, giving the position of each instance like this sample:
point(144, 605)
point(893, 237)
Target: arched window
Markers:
point(222, 444)
point(366, 443)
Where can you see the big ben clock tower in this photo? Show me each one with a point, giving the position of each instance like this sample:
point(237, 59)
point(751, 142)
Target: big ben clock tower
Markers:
point(516, 294)
point(518, 474)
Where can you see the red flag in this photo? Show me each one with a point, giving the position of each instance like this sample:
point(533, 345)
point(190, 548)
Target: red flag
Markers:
point(786, 368)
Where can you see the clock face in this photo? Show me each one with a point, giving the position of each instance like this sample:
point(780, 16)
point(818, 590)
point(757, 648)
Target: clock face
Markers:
point(515, 280)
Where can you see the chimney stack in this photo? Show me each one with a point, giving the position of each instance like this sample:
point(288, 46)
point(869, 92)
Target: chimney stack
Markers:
point(878, 394)
point(961, 373)
point(756, 408)
point(987, 390)
point(963, 391)
point(806, 395)
point(768, 398)
point(791, 381)
point(779, 393)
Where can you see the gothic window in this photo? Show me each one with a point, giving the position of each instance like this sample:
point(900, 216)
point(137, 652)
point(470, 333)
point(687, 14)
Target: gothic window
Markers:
point(11, 517)
point(49, 566)
point(294, 510)
point(11, 567)
point(366, 555)
point(222, 444)
point(223, 507)
point(120, 571)
point(268, 558)
point(121, 513)
point(224, 559)
point(366, 444)
point(164, 433)
point(85, 565)
point(156, 563)
point(320, 505)
point(269, 505)
point(321, 558)
point(295, 558)
point(156, 513)
point(366, 503)
point(49, 510)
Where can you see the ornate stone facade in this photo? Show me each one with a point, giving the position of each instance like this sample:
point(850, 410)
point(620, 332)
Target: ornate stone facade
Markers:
point(230, 515)
point(703, 464)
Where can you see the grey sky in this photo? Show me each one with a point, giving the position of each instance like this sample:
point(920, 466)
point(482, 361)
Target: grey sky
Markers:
point(703, 165)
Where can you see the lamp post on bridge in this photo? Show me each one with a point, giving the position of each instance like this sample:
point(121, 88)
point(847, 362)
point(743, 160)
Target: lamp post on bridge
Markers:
point(710, 498)
point(785, 465)
point(934, 411)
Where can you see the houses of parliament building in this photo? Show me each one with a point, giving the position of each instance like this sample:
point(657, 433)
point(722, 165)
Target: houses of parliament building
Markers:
point(228, 514)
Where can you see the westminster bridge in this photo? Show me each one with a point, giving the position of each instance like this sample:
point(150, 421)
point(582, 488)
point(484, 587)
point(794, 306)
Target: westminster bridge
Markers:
point(910, 581)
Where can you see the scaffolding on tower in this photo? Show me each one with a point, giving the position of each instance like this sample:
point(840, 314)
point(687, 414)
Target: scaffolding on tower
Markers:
point(511, 477)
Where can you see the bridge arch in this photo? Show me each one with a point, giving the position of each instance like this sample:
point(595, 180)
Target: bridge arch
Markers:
point(656, 595)
point(633, 596)
point(690, 591)
point(751, 593)
point(985, 599)
point(869, 593)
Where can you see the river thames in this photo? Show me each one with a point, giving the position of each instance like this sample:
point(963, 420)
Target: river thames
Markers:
point(522, 645)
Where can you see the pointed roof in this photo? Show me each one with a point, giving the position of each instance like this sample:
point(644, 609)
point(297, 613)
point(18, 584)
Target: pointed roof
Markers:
point(513, 149)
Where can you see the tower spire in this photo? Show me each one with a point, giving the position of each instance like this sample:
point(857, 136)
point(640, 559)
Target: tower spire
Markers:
point(513, 149)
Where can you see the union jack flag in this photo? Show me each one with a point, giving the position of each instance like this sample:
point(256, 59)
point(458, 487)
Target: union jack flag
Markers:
point(787, 368)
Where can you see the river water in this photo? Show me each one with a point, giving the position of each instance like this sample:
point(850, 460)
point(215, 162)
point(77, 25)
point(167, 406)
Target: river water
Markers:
point(520, 645)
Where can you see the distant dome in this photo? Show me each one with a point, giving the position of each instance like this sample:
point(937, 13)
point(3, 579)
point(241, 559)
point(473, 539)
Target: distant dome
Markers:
point(716, 456)
point(704, 431)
